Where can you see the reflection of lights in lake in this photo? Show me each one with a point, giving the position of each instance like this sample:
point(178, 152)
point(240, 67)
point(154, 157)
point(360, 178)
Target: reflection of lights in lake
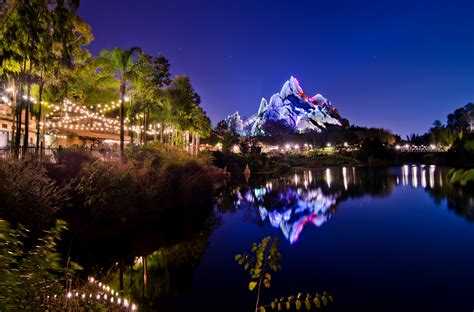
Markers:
point(414, 176)
point(405, 175)
point(423, 178)
point(104, 292)
point(260, 192)
point(328, 177)
point(432, 178)
point(344, 177)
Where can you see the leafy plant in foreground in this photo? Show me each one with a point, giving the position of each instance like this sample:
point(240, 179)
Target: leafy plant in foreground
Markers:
point(264, 260)
point(30, 277)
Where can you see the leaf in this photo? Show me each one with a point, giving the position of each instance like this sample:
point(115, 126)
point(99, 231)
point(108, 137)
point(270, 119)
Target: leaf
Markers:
point(324, 300)
point(237, 257)
point(279, 306)
point(457, 175)
point(252, 285)
point(298, 304)
point(272, 305)
point(288, 305)
point(317, 303)
point(266, 283)
point(268, 276)
point(307, 303)
point(261, 309)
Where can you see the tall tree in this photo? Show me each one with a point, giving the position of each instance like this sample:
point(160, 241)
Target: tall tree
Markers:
point(34, 34)
point(124, 66)
point(149, 94)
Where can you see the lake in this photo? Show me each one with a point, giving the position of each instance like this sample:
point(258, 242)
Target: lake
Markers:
point(385, 239)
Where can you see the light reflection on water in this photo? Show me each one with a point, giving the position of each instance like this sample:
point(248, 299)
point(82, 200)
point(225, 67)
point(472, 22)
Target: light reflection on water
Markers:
point(310, 197)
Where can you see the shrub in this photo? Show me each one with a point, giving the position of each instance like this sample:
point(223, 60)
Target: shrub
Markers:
point(70, 163)
point(29, 196)
point(109, 190)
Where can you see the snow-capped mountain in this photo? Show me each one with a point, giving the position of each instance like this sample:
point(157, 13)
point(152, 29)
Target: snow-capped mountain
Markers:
point(292, 108)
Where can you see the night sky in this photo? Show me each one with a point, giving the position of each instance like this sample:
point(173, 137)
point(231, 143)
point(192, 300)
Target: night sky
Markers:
point(392, 64)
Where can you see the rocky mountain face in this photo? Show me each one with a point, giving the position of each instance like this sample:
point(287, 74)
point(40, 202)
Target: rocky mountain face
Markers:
point(293, 109)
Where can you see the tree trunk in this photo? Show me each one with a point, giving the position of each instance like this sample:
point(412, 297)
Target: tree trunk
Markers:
point(155, 136)
point(184, 141)
point(145, 275)
point(161, 132)
point(38, 119)
point(140, 134)
point(27, 119)
point(121, 269)
point(145, 134)
point(14, 107)
point(18, 112)
point(187, 140)
point(197, 143)
point(122, 116)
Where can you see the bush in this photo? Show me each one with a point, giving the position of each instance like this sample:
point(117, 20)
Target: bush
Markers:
point(109, 190)
point(153, 179)
point(374, 152)
point(29, 196)
point(70, 163)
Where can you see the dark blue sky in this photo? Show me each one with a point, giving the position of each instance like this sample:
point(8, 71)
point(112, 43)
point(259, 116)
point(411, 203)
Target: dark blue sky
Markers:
point(391, 64)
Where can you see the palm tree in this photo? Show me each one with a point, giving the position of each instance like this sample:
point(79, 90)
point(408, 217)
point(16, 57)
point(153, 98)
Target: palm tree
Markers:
point(122, 64)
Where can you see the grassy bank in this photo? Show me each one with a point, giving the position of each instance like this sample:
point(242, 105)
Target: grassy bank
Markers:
point(278, 164)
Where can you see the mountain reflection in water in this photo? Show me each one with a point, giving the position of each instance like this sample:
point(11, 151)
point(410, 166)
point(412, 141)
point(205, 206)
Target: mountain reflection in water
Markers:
point(310, 197)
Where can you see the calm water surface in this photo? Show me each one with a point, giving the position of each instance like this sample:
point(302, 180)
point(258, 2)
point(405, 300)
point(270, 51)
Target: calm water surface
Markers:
point(392, 239)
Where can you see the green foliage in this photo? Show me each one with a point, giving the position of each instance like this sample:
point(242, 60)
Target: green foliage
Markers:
point(263, 260)
point(297, 302)
point(186, 111)
point(375, 152)
point(458, 124)
point(31, 276)
point(461, 176)
point(85, 84)
point(469, 145)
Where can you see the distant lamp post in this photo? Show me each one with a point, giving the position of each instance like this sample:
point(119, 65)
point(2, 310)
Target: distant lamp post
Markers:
point(328, 144)
point(345, 144)
point(397, 147)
